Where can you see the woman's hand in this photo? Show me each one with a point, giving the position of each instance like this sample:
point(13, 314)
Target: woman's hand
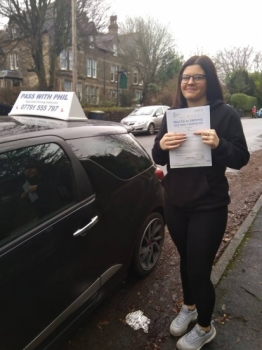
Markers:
point(30, 189)
point(172, 140)
point(209, 137)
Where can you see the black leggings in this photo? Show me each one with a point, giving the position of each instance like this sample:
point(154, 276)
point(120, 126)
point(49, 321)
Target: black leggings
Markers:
point(197, 236)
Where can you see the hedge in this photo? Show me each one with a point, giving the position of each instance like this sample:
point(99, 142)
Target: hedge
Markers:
point(114, 114)
point(243, 101)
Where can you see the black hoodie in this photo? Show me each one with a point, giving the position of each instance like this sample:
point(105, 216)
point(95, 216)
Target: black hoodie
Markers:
point(206, 188)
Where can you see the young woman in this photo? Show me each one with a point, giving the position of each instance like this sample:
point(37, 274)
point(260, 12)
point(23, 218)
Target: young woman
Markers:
point(196, 199)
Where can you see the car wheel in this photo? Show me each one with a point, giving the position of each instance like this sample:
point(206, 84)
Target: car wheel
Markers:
point(151, 129)
point(149, 245)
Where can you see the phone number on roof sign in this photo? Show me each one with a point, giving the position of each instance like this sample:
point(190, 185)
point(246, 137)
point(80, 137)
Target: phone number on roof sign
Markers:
point(46, 108)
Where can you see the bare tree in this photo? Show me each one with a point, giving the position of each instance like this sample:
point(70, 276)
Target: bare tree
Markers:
point(95, 11)
point(198, 51)
point(36, 18)
point(258, 61)
point(29, 17)
point(147, 45)
point(236, 58)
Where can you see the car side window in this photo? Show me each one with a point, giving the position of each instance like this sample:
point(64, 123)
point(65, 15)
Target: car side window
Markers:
point(36, 183)
point(159, 111)
point(119, 154)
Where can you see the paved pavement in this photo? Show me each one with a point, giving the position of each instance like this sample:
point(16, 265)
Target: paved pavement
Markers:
point(238, 311)
point(238, 280)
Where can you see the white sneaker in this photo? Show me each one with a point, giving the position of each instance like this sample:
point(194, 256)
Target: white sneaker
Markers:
point(196, 338)
point(184, 318)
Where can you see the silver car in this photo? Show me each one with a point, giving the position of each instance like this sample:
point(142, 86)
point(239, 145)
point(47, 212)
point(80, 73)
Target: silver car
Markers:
point(145, 119)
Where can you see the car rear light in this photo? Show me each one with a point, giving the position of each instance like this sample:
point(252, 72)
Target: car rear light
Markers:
point(159, 173)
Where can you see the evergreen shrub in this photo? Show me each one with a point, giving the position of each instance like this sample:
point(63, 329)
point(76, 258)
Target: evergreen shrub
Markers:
point(243, 101)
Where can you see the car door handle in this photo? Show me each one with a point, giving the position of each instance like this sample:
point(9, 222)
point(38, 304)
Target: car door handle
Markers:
point(82, 231)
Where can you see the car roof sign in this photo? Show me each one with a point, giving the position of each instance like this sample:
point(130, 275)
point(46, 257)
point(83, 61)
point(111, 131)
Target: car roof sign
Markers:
point(61, 105)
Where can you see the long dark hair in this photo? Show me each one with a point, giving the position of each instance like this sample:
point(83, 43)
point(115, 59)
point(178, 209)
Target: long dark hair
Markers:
point(213, 91)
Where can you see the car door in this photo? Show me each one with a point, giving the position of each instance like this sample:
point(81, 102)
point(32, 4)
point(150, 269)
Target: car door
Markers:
point(118, 170)
point(158, 117)
point(50, 262)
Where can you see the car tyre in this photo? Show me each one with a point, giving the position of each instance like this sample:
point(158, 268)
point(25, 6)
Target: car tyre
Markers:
point(149, 246)
point(151, 129)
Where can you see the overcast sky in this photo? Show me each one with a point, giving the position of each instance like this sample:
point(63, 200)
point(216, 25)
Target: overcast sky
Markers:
point(205, 24)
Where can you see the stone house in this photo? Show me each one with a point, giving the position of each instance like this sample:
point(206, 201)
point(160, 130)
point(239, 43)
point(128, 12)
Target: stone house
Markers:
point(101, 65)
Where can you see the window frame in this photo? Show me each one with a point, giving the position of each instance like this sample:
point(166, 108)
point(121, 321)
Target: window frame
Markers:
point(68, 82)
point(91, 68)
point(91, 42)
point(70, 59)
point(13, 61)
point(28, 142)
point(94, 97)
point(106, 142)
point(66, 59)
point(79, 91)
point(113, 93)
point(115, 51)
point(160, 109)
point(16, 32)
point(81, 182)
point(114, 73)
point(135, 77)
point(138, 96)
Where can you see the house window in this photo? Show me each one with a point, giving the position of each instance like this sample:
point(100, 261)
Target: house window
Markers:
point(66, 59)
point(16, 32)
point(70, 59)
point(91, 68)
point(13, 61)
point(114, 50)
point(91, 42)
point(94, 68)
point(10, 83)
point(92, 95)
point(7, 83)
point(67, 85)
point(113, 94)
point(97, 96)
point(138, 96)
point(135, 76)
point(79, 91)
point(16, 82)
point(63, 60)
point(113, 74)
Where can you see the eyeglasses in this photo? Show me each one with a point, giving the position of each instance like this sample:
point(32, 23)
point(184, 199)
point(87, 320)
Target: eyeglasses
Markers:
point(197, 78)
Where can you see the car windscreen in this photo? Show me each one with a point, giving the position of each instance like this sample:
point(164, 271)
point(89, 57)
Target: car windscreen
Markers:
point(143, 111)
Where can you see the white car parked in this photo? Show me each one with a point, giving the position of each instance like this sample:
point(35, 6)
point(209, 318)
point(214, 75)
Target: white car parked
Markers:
point(145, 119)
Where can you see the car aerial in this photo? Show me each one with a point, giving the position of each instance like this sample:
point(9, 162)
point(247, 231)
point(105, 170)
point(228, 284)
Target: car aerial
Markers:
point(80, 206)
point(259, 113)
point(145, 119)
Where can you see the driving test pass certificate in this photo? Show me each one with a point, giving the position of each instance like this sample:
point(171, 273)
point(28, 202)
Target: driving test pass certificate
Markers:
point(192, 152)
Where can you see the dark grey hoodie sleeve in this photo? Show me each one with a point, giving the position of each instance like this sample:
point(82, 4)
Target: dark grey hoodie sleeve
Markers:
point(232, 150)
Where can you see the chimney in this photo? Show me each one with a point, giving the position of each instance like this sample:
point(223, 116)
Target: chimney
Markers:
point(113, 27)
